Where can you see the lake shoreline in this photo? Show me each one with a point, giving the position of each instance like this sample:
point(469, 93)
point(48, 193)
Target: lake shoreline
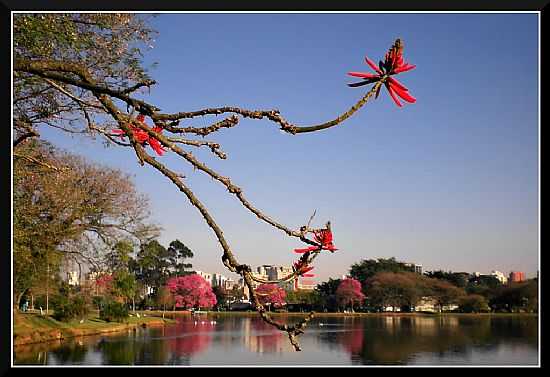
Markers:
point(30, 328)
point(46, 329)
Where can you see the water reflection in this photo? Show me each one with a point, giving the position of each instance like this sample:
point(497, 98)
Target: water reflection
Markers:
point(401, 340)
point(188, 338)
point(263, 338)
point(380, 340)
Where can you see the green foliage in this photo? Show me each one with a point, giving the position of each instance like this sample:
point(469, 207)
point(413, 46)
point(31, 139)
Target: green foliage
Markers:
point(177, 253)
point(124, 284)
point(395, 289)
point(459, 279)
point(486, 286)
point(327, 294)
point(56, 212)
point(98, 301)
point(155, 264)
point(444, 292)
point(67, 308)
point(113, 311)
point(164, 299)
point(119, 257)
point(367, 268)
point(222, 296)
point(151, 265)
point(148, 302)
point(516, 297)
point(473, 304)
point(110, 46)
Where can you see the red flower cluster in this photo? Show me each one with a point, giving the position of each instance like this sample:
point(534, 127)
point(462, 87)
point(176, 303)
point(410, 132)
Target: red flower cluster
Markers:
point(302, 267)
point(392, 65)
point(142, 136)
point(104, 281)
point(323, 237)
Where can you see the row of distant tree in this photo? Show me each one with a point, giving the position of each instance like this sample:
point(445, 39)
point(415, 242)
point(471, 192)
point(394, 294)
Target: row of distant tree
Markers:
point(377, 284)
point(390, 283)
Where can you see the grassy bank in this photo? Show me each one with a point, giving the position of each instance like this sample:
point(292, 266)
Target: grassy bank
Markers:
point(34, 328)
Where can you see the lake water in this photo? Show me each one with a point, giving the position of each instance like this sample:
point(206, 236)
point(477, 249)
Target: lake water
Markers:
point(246, 340)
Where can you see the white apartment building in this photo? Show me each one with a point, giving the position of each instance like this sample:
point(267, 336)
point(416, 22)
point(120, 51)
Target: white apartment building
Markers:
point(500, 276)
point(218, 280)
point(205, 275)
point(72, 278)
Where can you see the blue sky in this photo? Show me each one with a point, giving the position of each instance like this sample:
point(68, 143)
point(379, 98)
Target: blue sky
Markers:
point(450, 182)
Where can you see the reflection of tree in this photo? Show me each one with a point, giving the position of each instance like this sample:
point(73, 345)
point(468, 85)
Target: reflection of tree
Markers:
point(397, 340)
point(71, 353)
point(352, 341)
point(133, 349)
point(118, 352)
point(187, 339)
point(153, 352)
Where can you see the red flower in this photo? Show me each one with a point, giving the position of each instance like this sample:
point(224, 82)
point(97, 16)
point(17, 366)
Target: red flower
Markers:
point(323, 237)
point(392, 65)
point(142, 136)
point(302, 268)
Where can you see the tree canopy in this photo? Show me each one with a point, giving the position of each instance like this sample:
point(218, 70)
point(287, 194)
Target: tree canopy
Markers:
point(67, 207)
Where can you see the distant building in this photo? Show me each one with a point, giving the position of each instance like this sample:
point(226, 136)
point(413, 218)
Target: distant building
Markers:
point(417, 267)
point(263, 270)
point(305, 284)
point(218, 280)
point(279, 272)
point(229, 284)
point(72, 278)
point(517, 277)
point(261, 274)
point(500, 276)
point(205, 275)
point(274, 273)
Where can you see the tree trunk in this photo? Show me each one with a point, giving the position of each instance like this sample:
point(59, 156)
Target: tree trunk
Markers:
point(18, 299)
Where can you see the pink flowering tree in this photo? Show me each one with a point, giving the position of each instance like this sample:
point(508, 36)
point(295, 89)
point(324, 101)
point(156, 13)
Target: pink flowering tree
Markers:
point(349, 292)
point(271, 294)
point(191, 291)
point(82, 84)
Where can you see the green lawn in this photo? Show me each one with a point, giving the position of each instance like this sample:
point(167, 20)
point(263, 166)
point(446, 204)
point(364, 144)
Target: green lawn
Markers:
point(32, 327)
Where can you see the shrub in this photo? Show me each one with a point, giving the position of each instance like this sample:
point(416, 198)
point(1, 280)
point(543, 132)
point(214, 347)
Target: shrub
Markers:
point(113, 311)
point(66, 309)
point(473, 304)
point(98, 301)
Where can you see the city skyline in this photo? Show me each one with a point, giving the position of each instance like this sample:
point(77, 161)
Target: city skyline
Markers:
point(233, 276)
point(450, 182)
